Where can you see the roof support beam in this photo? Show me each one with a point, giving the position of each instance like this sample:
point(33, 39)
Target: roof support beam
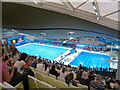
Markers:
point(81, 4)
point(112, 13)
point(68, 5)
point(96, 8)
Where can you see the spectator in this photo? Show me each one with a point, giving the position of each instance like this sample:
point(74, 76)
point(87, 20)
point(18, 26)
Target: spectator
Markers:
point(69, 78)
point(53, 71)
point(79, 74)
point(6, 48)
point(108, 85)
point(63, 73)
point(10, 77)
point(84, 80)
point(91, 76)
point(97, 83)
point(21, 62)
point(40, 65)
point(34, 64)
point(13, 50)
point(117, 85)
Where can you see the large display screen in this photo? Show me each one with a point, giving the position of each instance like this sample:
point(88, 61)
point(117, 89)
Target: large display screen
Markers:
point(14, 41)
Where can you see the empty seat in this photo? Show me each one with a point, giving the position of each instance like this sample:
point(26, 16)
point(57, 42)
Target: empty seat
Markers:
point(60, 84)
point(35, 83)
point(32, 82)
point(2, 87)
point(82, 86)
point(41, 84)
point(61, 79)
point(8, 86)
point(53, 76)
point(40, 76)
point(50, 81)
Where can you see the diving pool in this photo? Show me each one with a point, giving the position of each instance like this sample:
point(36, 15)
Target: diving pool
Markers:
point(45, 51)
point(90, 60)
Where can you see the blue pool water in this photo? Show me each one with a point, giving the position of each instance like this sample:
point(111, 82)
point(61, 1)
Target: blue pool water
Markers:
point(91, 60)
point(41, 50)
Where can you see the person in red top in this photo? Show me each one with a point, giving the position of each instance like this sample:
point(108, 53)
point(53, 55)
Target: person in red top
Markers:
point(11, 76)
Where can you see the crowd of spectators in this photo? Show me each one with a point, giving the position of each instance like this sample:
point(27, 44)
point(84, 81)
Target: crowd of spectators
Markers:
point(71, 43)
point(16, 71)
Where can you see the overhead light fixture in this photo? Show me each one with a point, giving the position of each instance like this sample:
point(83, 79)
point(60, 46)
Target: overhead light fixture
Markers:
point(94, 7)
point(98, 18)
point(96, 13)
point(43, 33)
point(71, 38)
point(117, 46)
point(71, 33)
point(35, 2)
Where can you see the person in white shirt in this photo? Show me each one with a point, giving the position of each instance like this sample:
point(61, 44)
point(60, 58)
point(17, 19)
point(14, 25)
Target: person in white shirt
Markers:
point(21, 62)
point(40, 66)
point(63, 73)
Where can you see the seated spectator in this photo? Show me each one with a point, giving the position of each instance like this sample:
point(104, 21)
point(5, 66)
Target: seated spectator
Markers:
point(53, 71)
point(40, 65)
point(14, 50)
point(108, 85)
point(63, 73)
point(79, 74)
point(97, 84)
point(47, 68)
point(91, 76)
point(34, 64)
point(84, 79)
point(69, 78)
point(117, 85)
point(6, 47)
point(21, 62)
point(12, 77)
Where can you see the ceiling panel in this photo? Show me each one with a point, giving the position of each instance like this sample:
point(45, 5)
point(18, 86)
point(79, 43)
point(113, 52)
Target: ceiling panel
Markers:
point(107, 7)
point(75, 3)
point(87, 7)
point(113, 16)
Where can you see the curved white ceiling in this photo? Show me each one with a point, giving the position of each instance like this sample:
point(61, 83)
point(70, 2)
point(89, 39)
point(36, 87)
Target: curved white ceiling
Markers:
point(92, 10)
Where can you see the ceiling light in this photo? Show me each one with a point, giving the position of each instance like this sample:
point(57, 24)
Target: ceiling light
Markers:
point(94, 7)
point(92, 0)
point(98, 18)
point(117, 46)
point(71, 33)
point(71, 38)
point(35, 2)
point(96, 14)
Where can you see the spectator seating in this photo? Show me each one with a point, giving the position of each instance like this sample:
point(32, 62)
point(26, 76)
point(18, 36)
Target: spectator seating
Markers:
point(40, 76)
point(35, 83)
point(6, 85)
point(53, 76)
point(50, 81)
point(61, 79)
point(82, 86)
point(60, 84)
point(2, 86)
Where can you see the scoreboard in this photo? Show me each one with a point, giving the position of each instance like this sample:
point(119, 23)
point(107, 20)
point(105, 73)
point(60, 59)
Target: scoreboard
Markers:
point(16, 40)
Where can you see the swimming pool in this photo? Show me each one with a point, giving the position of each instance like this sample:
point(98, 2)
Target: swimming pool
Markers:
point(89, 60)
point(45, 51)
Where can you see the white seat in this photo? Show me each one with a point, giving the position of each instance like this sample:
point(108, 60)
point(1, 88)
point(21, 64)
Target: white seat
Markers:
point(40, 76)
point(7, 85)
point(38, 83)
point(2, 86)
point(50, 80)
point(60, 84)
